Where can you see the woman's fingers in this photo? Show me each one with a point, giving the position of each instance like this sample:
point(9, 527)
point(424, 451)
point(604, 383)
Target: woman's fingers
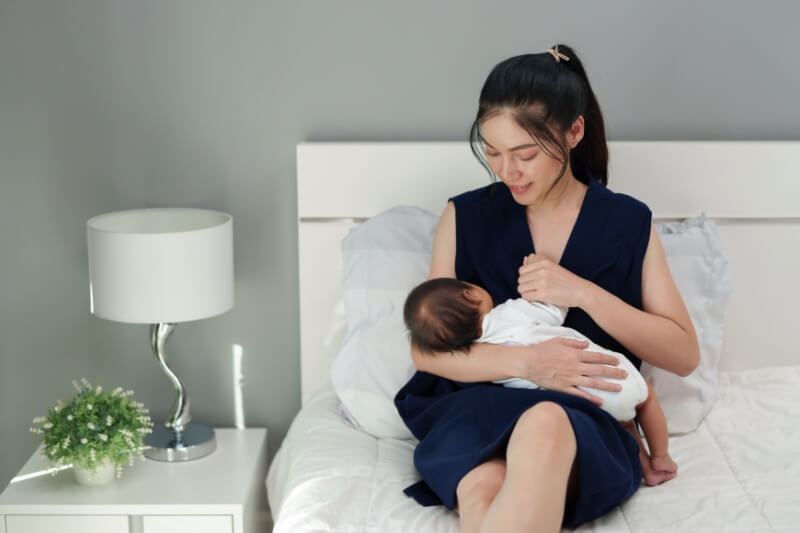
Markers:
point(583, 394)
point(600, 384)
point(605, 371)
point(602, 371)
point(527, 261)
point(599, 358)
point(576, 344)
point(529, 285)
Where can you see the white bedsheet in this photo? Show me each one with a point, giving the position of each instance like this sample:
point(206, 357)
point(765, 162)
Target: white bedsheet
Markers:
point(740, 471)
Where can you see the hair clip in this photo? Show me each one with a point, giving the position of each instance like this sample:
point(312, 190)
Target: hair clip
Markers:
point(558, 56)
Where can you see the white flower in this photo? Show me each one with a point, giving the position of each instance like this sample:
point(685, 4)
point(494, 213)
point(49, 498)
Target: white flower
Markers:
point(98, 389)
point(69, 417)
point(84, 440)
point(90, 425)
point(89, 406)
point(48, 425)
point(75, 384)
point(109, 420)
point(103, 437)
point(86, 383)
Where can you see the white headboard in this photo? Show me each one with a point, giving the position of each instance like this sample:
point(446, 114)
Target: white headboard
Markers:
point(750, 189)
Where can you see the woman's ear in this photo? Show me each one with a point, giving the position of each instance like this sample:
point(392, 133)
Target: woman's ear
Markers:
point(576, 132)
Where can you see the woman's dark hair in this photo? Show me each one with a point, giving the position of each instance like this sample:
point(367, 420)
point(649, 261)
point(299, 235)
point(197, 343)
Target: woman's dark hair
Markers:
point(542, 92)
point(440, 317)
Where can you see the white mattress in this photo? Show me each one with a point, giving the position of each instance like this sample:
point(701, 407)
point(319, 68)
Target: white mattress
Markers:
point(740, 471)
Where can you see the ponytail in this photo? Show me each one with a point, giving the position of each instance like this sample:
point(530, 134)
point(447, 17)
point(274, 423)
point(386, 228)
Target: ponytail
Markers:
point(591, 154)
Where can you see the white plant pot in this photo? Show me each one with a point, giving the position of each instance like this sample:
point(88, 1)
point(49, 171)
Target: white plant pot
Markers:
point(103, 475)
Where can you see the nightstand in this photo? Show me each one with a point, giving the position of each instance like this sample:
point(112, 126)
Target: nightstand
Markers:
point(221, 493)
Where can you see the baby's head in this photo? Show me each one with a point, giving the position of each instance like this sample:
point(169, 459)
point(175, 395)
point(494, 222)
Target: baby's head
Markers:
point(445, 315)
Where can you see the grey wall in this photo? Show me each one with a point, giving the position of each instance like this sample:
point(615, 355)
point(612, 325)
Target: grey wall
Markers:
point(109, 105)
point(54, 162)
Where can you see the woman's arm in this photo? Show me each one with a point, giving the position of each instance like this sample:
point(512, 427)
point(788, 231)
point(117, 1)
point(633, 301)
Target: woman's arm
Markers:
point(662, 334)
point(483, 362)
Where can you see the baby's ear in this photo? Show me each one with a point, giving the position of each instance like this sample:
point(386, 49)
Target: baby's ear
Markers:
point(469, 296)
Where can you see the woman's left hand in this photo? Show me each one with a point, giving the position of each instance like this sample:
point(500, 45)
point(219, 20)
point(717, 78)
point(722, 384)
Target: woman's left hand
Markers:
point(542, 280)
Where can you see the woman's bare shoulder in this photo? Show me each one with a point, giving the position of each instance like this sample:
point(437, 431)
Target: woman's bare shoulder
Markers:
point(443, 260)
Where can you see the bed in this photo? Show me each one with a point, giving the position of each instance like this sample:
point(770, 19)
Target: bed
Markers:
point(739, 466)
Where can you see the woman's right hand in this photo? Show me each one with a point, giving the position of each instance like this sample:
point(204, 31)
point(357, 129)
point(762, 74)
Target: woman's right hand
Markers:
point(562, 364)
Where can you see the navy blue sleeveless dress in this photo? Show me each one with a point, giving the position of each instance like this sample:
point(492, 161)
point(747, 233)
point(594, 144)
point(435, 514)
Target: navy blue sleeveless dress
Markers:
point(461, 425)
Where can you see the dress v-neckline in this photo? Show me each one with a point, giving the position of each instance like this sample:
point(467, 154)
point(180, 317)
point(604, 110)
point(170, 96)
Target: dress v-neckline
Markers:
point(570, 238)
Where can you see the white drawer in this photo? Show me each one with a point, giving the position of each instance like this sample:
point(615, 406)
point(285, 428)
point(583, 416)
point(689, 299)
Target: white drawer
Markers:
point(66, 524)
point(187, 524)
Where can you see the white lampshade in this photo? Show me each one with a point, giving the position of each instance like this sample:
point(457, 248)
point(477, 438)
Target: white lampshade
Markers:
point(160, 265)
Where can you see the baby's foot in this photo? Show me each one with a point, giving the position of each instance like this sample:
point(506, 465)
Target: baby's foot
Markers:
point(659, 469)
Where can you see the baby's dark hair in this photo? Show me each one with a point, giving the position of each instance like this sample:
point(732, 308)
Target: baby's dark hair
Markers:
point(440, 317)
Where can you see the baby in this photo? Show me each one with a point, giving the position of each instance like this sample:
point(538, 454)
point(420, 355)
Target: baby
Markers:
point(448, 315)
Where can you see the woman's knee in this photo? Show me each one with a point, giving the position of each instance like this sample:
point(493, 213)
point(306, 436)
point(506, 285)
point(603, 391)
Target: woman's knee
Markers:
point(548, 423)
point(481, 484)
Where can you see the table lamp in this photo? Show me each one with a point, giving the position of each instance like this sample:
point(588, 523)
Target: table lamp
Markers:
point(162, 266)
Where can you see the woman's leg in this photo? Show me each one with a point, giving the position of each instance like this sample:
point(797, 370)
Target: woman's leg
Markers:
point(476, 491)
point(539, 459)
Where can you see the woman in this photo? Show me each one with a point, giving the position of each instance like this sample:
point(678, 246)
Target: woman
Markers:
point(534, 460)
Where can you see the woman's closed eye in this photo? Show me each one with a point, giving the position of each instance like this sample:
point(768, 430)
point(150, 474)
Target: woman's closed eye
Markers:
point(521, 157)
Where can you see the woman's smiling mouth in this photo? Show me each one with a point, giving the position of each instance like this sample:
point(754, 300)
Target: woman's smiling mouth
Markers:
point(519, 189)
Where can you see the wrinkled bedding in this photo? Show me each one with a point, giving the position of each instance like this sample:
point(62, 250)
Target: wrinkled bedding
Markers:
point(740, 471)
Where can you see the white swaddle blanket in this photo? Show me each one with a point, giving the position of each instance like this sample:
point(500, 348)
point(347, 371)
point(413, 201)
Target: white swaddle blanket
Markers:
point(518, 322)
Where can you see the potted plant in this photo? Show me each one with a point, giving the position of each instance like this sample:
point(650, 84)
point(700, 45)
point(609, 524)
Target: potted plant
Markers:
point(97, 431)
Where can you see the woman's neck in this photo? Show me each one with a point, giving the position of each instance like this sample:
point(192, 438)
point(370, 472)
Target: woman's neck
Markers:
point(567, 194)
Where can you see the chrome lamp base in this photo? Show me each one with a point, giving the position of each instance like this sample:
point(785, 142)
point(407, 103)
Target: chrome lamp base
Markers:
point(166, 444)
point(177, 439)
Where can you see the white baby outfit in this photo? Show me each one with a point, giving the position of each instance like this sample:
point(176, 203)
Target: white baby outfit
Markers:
point(519, 322)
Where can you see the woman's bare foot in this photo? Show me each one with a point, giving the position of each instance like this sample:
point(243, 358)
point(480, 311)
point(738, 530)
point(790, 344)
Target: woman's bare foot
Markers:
point(659, 469)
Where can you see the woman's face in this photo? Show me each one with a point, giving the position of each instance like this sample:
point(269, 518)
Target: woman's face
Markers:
point(518, 160)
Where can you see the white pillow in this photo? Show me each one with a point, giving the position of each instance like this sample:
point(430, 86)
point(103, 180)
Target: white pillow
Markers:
point(700, 271)
point(389, 254)
point(383, 259)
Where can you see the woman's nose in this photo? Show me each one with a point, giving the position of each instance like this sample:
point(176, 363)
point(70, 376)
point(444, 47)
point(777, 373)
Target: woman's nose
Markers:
point(508, 169)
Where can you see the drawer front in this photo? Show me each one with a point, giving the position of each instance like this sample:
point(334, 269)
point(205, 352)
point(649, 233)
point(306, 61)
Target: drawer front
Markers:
point(66, 524)
point(188, 524)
